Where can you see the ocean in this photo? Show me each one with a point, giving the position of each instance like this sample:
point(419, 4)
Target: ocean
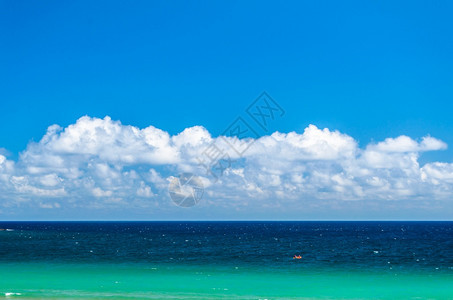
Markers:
point(226, 260)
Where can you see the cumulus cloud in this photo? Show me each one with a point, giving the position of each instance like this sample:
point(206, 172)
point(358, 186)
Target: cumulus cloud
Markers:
point(406, 144)
point(101, 162)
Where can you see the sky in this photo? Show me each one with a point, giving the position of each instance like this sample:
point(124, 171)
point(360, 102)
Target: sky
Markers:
point(104, 103)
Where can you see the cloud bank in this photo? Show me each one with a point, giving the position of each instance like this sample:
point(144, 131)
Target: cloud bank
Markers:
point(98, 163)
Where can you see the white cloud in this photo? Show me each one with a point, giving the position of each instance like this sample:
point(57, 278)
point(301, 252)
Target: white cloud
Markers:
point(98, 192)
point(103, 138)
point(49, 205)
point(144, 191)
point(96, 162)
point(50, 180)
point(313, 144)
point(406, 144)
point(438, 172)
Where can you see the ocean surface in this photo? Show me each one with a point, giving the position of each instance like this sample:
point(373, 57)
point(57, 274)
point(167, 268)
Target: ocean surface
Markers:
point(226, 260)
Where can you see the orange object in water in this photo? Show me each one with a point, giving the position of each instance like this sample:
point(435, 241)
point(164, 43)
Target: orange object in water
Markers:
point(297, 257)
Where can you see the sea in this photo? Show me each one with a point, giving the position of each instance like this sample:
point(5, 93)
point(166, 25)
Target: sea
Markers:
point(226, 260)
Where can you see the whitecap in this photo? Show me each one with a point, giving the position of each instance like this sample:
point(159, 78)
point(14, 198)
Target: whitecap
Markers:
point(12, 294)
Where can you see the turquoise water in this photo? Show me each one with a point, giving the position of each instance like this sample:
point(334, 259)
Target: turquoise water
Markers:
point(45, 281)
point(226, 261)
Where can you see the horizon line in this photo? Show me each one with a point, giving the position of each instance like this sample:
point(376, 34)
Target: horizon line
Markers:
point(242, 220)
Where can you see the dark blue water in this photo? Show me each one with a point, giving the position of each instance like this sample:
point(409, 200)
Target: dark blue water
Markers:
point(403, 246)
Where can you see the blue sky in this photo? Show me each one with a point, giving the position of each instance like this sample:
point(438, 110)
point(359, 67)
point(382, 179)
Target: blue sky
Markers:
point(369, 70)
